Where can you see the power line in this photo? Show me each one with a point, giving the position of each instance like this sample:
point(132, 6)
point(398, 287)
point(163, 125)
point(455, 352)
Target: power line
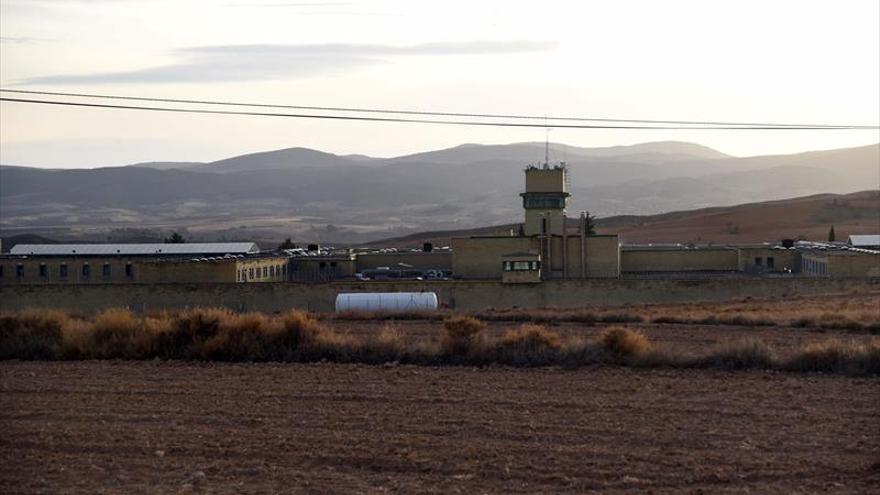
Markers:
point(439, 114)
point(415, 121)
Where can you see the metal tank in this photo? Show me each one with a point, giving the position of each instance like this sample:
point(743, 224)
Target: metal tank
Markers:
point(386, 301)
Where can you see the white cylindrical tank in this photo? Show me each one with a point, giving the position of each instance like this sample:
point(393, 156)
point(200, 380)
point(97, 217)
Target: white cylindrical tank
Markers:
point(386, 301)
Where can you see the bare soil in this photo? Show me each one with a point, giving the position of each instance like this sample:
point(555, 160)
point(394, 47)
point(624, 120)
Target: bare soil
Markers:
point(171, 427)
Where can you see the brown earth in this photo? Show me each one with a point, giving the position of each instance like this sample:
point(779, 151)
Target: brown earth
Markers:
point(171, 427)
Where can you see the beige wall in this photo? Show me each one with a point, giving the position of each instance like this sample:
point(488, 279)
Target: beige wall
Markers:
point(146, 271)
point(540, 180)
point(421, 260)
point(480, 257)
point(534, 226)
point(310, 269)
point(463, 295)
point(151, 272)
point(782, 258)
point(263, 269)
point(841, 264)
point(74, 265)
point(679, 260)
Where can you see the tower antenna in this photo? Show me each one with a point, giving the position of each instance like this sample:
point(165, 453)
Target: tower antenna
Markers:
point(547, 148)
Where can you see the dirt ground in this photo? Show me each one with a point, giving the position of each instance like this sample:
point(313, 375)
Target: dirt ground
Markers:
point(171, 427)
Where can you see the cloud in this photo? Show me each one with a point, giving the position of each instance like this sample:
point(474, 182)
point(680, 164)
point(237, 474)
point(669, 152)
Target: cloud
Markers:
point(236, 63)
point(20, 39)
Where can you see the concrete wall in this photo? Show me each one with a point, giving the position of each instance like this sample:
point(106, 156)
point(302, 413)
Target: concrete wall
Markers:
point(74, 264)
point(679, 260)
point(263, 269)
point(422, 260)
point(841, 264)
point(464, 295)
point(166, 271)
point(480, 257)
point(783, 259)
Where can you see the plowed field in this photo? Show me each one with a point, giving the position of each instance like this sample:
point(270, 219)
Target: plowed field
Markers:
point(167, 427)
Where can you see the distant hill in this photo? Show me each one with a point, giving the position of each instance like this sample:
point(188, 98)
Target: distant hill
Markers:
point(312, 195)
point(807, 217)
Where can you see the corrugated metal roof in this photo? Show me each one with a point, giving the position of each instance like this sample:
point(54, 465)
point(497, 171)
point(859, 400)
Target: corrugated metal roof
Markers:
point(864, 240)
point(135, 249)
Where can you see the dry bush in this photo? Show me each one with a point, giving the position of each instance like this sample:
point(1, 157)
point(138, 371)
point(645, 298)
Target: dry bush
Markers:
point(530, 345)
point(464, 337)
point(835, 356)
point(189, 331)
point(385, 347)
point(115, 333)
point(623, 342)
point(739, 355)
point(243, 337)
point(33, 334)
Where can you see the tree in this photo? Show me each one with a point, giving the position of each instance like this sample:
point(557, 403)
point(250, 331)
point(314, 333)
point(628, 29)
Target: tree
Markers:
point(831, 237)
point(287, 244)
point(590, 224)
point(175, 239)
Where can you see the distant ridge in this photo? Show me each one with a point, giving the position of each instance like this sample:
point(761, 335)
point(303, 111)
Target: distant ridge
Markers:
point(308, 194)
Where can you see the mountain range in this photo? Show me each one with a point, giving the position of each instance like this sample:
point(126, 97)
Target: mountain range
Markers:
point(312, 195)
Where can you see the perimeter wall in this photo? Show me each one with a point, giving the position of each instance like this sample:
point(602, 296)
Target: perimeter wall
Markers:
point(465, 295)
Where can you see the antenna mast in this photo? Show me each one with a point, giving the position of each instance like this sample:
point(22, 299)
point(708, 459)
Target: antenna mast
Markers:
point(547, 147)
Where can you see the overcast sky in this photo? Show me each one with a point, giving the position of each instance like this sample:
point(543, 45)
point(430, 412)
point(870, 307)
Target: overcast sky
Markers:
point(758, 61)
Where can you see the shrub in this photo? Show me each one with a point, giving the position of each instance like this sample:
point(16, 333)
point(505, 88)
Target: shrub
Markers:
point(623, 342)
point(740, 355)
point(188, 333)
point(835, 356)
point(463, 336)
point(33, 334)
point(531, 345)
point(238, 338)
point(116, 333)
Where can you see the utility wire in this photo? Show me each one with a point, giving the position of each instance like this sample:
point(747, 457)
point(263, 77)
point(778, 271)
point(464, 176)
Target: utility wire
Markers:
point(439, 114)
point(406, 120)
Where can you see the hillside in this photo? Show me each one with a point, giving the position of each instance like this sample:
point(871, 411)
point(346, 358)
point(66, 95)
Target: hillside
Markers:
point(313, 195)
point(807, 217)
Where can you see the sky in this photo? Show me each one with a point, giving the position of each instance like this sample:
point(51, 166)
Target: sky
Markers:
point(813, 62)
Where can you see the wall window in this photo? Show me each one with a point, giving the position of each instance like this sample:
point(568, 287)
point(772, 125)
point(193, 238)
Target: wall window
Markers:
point(265, 271)
point(105, 270)
point(283, 270)
point(86, 270)
point(507, 266)
point(44, 270)
point(272, 271)
point(129, 270)
point(19, 270)
point(251, 273)
point(770, 262)
point(1, 271)
point(62, 270)
point(758, 261)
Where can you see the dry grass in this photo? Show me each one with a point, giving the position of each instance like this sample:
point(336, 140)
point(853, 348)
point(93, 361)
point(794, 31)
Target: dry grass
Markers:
point(529, 345)
point(623, 342)
point(220, 335)
point(464, 338)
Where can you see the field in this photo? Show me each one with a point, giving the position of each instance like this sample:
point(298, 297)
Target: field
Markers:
point(689, 408)
point(171, 427)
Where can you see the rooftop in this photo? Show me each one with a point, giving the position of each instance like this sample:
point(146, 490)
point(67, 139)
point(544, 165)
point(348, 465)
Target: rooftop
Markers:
point(212, 248)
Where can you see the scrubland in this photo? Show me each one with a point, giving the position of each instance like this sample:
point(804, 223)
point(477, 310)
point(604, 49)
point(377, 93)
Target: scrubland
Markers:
point(526, 338)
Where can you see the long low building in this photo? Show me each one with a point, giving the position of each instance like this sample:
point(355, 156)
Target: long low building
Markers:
point(236, 262)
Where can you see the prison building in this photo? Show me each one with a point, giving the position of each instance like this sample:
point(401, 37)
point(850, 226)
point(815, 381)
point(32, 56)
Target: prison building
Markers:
point(140, 263)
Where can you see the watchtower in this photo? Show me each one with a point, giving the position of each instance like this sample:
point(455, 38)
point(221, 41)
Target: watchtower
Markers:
point(544, 199)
